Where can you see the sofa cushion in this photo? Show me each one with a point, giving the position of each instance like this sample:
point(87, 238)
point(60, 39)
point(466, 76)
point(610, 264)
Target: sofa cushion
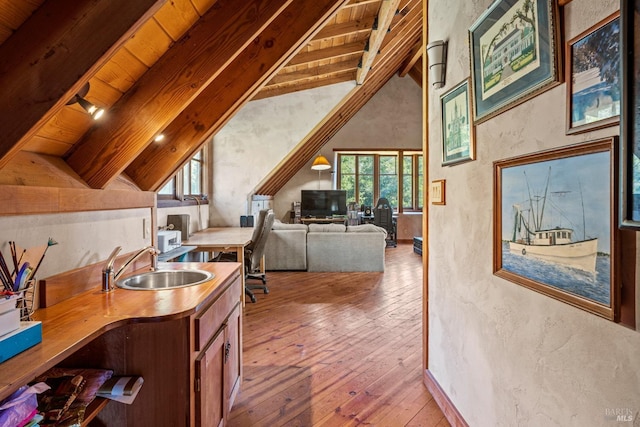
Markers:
point(278, 225)
point(327, 228)
point(345, 252)
point(365, 228)
point(286, 249)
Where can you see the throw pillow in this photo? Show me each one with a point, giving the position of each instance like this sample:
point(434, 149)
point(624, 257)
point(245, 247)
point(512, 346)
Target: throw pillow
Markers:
point(278, 225)
point(331, 228)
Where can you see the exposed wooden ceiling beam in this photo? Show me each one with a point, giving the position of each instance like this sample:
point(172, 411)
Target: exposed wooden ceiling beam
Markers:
point(357, 3)
point(53, 54)
point(333, 122)
point(416, 54)
point(288, 33)
point(322, 70)
point(387, 11)
point(277, 90)
point(165, 90)
point(327, 54)
point(416, 73)
point(346, 28)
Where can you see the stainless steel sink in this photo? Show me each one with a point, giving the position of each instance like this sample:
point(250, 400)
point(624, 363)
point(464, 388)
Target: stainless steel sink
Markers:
point(164, 279)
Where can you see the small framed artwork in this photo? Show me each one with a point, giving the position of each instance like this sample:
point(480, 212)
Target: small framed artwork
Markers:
point(437, 192)
point(514, 54)
point(593, 77)
point(630, 118)
point(554, 224)
point(458, 140)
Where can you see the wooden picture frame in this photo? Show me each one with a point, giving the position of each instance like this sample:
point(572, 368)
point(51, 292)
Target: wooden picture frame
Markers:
point(458, 135)
point(554, 224)
point(438, 192)
point(630, 118)
point(514, 50)
point(593, 77)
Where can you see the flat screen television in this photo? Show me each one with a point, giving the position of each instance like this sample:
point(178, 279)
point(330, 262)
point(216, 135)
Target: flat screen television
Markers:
point(323, 203)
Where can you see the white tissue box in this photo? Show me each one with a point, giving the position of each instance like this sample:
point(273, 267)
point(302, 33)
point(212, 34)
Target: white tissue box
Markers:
point(9, 321)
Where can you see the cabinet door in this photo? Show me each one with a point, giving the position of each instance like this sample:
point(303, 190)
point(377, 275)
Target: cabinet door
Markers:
point(233, 359)
point(210, 393)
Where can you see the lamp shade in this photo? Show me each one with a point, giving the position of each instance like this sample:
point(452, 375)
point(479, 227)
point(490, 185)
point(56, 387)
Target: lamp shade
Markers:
point(321, 163)
point(437, 54)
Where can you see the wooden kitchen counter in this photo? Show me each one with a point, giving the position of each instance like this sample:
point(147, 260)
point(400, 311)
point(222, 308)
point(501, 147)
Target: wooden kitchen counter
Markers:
point(71, 324)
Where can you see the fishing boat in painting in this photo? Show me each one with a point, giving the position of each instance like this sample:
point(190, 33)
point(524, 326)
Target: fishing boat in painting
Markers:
point(556, 244)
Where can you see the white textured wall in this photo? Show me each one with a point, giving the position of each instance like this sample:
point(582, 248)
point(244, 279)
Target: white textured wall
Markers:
point(256, 139)
point(392, 119)
point(506, 355)
point(83, 237)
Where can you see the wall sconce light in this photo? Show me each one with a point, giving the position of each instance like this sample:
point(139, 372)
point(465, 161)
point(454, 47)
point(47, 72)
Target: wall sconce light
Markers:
point(437, 54)
point(95, 112)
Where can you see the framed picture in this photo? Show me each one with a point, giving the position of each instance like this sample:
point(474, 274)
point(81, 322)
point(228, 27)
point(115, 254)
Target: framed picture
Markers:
point(437, 192)
point(630, 118)
point(593, 77)
point(458, 141)
point(514, 54)
point(554, 228)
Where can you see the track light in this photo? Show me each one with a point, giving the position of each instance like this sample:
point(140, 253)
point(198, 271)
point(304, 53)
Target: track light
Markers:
point(95, 112)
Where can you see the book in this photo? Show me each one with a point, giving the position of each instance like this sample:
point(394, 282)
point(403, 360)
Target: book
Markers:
point(121, 388)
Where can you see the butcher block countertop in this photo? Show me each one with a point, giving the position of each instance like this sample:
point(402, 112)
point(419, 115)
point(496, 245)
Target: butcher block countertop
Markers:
point(73, 323)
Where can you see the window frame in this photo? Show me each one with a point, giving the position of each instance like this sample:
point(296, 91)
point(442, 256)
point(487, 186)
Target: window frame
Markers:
point(179, 198)
point(399, 154)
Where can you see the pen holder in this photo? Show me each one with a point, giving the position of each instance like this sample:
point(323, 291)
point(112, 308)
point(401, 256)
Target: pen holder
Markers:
point(26, 300)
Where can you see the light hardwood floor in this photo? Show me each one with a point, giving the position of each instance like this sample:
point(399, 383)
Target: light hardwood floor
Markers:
point(337, 349)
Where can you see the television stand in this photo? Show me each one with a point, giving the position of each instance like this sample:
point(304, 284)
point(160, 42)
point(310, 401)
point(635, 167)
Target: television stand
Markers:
point(317, 220)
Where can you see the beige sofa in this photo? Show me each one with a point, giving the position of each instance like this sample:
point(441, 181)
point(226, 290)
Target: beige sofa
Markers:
point(325, 247)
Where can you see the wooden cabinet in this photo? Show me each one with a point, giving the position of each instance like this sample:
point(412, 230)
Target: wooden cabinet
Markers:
point(210, 396)
point(191, 364)
point(218, 363)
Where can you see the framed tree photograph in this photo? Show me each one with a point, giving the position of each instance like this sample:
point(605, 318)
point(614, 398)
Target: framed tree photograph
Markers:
point(630, 118)
point(593, 77)
point(514, 54)
point(458, 140)
point(554, 224)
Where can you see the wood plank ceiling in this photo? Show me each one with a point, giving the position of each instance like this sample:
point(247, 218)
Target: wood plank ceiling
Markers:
point(182, 68)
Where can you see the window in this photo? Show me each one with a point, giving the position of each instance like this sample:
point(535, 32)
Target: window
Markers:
point(192, 176)
point(395, 175)
point(187, 185)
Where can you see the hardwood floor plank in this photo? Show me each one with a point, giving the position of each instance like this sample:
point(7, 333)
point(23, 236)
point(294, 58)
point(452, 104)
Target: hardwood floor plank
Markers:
point(337, 349)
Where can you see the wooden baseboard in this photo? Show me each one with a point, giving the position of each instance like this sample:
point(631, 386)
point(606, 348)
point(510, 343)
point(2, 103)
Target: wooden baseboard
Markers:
point(443, 401)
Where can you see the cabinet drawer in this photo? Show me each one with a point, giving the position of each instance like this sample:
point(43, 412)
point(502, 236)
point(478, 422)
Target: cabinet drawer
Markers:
point(212, 318)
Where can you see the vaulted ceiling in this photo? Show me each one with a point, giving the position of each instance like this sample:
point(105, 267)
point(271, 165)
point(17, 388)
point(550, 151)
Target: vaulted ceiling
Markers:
point(182, 68)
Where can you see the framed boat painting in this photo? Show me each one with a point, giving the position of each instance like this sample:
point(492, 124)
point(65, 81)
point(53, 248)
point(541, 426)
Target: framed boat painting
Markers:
point(630, 118)
point(554, 224)
point(593, 77)
point(514, 54)
point(458, 142)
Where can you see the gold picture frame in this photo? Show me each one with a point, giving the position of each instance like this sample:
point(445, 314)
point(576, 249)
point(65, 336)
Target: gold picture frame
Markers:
point(438, 192)
point(555, 224)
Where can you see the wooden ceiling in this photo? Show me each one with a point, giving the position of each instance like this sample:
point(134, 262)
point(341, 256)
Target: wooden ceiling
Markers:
point(182, 68)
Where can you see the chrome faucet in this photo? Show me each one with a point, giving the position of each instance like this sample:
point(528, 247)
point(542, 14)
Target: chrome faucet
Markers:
point(109, 276)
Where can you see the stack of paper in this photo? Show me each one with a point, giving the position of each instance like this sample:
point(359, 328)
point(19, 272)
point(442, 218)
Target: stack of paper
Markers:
point(122, 389)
